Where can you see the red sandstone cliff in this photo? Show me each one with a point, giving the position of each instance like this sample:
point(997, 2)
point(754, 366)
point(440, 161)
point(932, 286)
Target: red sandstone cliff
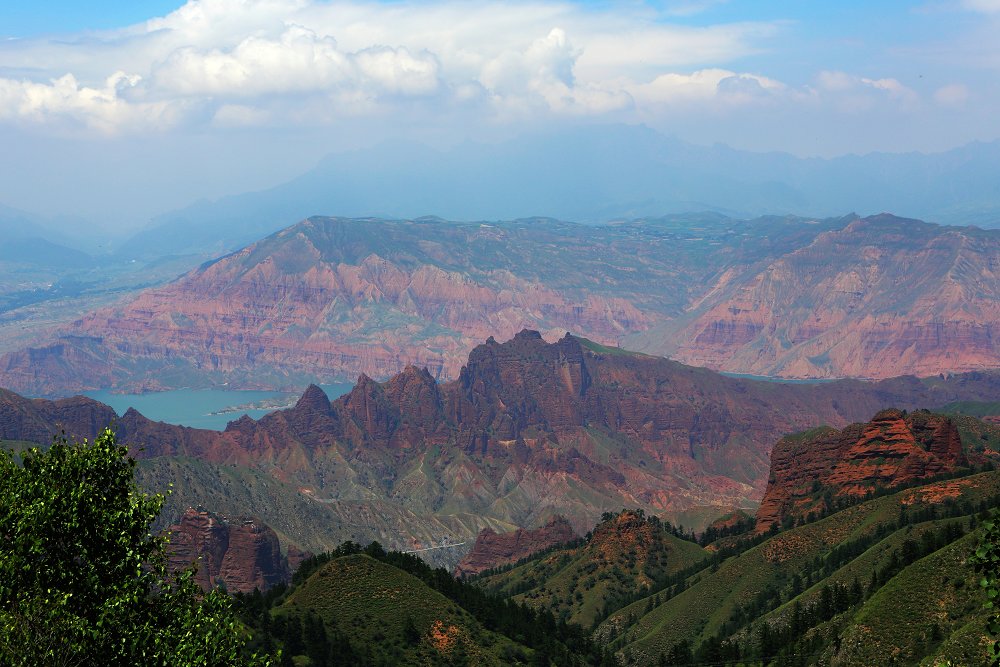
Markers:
point(891, 450)
point(493, 550)
point(243, 553)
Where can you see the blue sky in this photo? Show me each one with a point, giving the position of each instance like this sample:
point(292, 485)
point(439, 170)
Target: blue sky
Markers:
point(126, 109)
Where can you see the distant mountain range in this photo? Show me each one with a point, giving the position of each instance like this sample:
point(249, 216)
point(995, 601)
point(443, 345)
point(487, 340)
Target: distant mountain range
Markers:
point(591, 174)
point(330, 298)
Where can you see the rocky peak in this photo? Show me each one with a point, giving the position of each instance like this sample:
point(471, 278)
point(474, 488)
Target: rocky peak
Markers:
point(623, 530)
point(892, 449)
point(242, 553)
point(370, 411)
point(313, 399)
point(416, 396)
point(493, 550)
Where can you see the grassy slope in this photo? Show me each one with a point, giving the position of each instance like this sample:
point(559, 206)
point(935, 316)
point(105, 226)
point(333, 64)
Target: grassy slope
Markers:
point(575, 584)
point(299, 519)
point(700, 611)
point(372, 601)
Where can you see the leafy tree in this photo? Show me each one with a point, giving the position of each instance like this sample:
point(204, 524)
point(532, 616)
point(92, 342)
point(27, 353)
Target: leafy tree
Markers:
point(82, 579)
point(986, 560)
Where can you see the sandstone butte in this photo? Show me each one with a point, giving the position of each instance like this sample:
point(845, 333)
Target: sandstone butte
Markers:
point(493, 549)
point(891, 450)
point(331, 298)
point(242, 553)
point(529, 429)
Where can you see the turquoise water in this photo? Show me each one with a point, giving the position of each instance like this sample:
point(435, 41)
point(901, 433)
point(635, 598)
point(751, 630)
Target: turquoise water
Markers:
point(205, 408)
point(771, 378)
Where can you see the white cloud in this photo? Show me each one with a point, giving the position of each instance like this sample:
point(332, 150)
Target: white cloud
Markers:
point(65, 102)
point(952, 95)
point(855, 93)
point(282, 62)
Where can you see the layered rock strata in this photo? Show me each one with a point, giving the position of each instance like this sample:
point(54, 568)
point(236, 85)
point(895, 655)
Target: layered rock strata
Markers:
point(891, 450)
point(241, 554)
point(493, 550)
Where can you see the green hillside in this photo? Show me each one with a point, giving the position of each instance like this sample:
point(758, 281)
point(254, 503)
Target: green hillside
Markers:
point(626, 554)
point(398, 616)
point(367, 607)
point(888, 572)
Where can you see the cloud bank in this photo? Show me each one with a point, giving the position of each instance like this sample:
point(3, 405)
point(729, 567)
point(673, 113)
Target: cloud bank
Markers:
point(286, 62)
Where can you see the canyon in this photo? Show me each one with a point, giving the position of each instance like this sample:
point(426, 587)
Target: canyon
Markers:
point(528, 430)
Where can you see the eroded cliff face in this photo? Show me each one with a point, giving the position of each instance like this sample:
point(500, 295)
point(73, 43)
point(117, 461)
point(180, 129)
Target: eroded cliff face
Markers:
point(531, 429)
point(39, 420)
point(528, 430)
point(891, 450)
point(330, 298)
point(493, 550)
point(242, 553)
point(883, 296)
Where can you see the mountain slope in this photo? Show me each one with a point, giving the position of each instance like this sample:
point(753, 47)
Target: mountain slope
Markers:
point(528, 430)
point(624, 555)
point(876, 578)
point(881, 293)
point(331, 298)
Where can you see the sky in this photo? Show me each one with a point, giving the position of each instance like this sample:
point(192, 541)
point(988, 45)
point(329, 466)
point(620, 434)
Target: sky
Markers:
point(116, 111)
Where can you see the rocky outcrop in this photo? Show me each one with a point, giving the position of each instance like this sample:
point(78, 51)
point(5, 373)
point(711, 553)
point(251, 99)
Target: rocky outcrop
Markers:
point(493, 550)
point(528, 430)
point(242, 554)
point(39, 420)
point(893, 449)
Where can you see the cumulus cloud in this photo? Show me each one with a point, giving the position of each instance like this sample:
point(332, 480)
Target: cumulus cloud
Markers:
point(274, 62)
point(856, 93)
point(65, 102)
point(299, 61)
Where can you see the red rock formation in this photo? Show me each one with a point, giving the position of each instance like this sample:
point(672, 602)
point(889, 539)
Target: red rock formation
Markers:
point(330, 298)
point(244, 554)
point(892, 449)
point(883, 296)
point(38, 420)
point(493, 550)
point(532, 429)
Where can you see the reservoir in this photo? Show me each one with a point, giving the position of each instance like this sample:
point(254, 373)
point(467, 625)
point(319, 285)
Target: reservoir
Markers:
point(207, 408)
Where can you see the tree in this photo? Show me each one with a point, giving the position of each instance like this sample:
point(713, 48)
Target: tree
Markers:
point(83, 581)
point(986, 560)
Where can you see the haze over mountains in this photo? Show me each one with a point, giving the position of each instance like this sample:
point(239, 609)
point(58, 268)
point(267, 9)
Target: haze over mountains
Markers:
point(589, 174)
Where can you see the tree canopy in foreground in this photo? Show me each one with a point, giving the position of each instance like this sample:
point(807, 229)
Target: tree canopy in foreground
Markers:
point(83, 581)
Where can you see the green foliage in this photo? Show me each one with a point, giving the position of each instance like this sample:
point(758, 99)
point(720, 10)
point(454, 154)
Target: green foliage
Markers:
point(886, 573)
point(82, 579)
point(380, 608)
point(986, 560)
